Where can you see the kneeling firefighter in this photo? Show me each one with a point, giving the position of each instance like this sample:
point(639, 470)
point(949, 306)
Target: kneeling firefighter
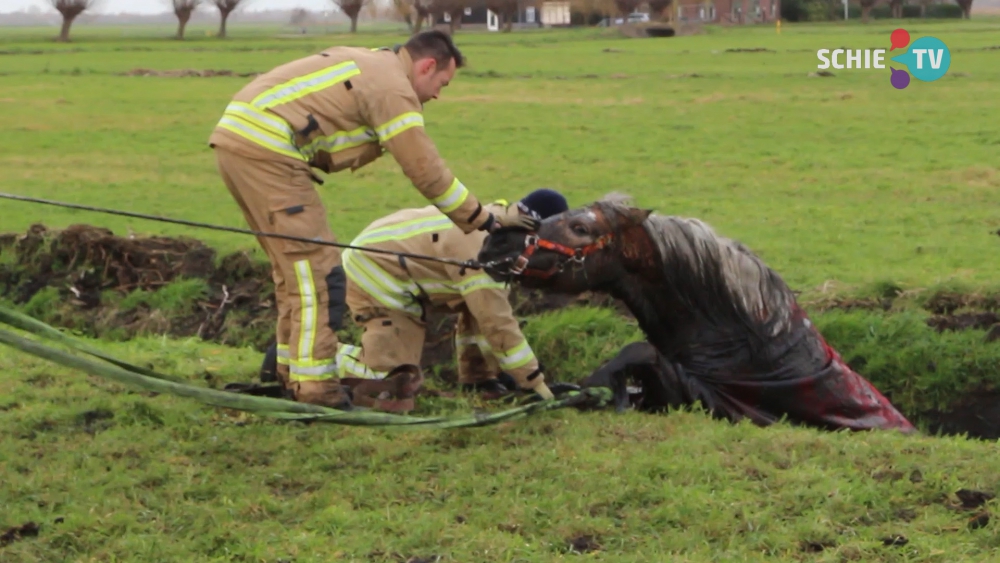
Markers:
point(391, 296)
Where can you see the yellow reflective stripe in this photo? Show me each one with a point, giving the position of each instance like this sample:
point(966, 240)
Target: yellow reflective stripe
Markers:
point(378, 283)
point(477, 282)
point(269, 122)
point(516, 357)
point(477, 340)
point(305, 85)
point(404, 230)
point(349, 366)
point(452, 198)
point(398, 124)
point(259, 136)
point(309, 314)
point(283, 354)
point(314, 373)
point(340, 141)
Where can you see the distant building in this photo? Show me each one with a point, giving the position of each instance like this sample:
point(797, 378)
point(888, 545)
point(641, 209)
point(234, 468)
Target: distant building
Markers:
point(728, 11)
point(476, 14)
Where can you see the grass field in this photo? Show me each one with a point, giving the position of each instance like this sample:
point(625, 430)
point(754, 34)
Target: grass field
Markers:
point(843, 184)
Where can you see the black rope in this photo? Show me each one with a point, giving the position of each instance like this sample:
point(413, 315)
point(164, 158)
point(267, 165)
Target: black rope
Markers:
point(467, 264)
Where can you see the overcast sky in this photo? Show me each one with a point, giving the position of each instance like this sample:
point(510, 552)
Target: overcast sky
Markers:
point(160, 6)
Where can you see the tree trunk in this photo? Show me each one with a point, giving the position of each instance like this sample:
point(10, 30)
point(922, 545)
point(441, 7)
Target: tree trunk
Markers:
point(354, 23)
point(181, 25)
point(64, 32)
point(865, 12)
point(222, 25)
point(508, 23)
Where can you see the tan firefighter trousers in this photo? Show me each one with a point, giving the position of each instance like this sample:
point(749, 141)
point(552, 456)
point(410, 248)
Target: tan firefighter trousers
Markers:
point(279, 197)
point(392, 338)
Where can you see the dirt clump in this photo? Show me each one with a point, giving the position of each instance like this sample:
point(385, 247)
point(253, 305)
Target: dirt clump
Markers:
point(11, 535)
point(187, 72)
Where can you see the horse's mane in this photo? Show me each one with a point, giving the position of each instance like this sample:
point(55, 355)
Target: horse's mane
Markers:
point(714, 275)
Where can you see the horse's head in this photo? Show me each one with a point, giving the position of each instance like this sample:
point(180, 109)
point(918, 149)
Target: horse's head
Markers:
point(571, 252)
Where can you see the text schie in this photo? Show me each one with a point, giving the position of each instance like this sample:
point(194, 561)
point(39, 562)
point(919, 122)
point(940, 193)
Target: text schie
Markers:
point(856, 58)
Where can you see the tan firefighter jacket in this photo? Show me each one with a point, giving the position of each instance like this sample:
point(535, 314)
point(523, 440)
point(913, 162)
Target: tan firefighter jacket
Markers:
point(409, 285)
point(340, 109)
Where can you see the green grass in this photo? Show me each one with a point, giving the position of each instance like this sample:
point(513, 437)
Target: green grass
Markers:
point(844, 185)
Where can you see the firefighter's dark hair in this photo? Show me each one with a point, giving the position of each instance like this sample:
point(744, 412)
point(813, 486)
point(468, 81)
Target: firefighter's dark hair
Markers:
point(436, 45)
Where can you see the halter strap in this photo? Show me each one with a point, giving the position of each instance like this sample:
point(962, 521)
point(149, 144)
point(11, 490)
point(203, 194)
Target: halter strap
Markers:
point(533, 243)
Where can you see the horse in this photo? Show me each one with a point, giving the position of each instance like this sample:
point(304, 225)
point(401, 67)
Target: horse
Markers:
point(722, 329)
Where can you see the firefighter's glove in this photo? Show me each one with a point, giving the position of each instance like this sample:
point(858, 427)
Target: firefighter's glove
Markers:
point(512, 216)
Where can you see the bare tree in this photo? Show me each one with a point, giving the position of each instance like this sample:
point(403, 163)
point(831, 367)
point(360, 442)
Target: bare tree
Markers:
point(626, 7)
point(966, 6)
point(225, 7)
point(183, 10)
point(351, 8)
point(657, 7)
point(506, 10)
point(866, 9)
point(300, 19)
point(404, 10)
point(423, 8)
point(70, 9)
point(455, 10)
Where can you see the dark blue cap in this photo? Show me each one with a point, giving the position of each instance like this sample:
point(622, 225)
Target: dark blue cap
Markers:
point(544, 203)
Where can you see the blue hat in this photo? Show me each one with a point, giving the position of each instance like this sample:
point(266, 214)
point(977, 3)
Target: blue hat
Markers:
point(543, 203)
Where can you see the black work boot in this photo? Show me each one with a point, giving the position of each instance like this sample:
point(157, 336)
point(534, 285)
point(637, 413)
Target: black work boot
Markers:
point(269, 368)
point(490, 389)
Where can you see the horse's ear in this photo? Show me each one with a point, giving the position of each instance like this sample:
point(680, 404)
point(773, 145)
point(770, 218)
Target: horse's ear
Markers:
point(636, 216)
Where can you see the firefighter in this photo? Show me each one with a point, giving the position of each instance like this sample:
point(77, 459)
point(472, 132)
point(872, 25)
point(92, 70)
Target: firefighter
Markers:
point(389, 297)
point(336, 110)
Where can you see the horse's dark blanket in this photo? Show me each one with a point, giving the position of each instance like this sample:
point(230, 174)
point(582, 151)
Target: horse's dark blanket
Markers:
point(797, 374)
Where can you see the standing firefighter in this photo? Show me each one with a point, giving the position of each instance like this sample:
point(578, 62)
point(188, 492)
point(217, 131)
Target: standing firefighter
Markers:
point(335, 110)
point(390, 297)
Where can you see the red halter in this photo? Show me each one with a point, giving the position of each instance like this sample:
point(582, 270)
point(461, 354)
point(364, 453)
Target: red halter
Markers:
point(533, 243)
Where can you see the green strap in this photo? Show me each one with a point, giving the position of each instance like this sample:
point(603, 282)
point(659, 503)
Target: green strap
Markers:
point(149, 380)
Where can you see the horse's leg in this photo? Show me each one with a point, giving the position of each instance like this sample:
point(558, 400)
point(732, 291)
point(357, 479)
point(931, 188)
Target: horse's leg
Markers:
point(636, 357)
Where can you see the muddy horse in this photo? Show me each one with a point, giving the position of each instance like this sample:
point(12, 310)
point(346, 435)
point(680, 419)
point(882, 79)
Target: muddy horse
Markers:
point(722, 329)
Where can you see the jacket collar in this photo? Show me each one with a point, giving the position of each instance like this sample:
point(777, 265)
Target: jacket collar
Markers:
point(407, 61)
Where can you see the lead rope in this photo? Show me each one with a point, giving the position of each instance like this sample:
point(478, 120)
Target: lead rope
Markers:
point(466, 264)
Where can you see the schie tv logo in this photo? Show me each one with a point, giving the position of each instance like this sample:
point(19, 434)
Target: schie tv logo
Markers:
point(928, 59)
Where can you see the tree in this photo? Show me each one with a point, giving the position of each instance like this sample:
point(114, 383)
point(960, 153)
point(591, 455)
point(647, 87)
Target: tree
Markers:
point(966, 6)
point(866, 9)
point(455, 10)
point(225, 7)
point(423, 9)
point(896, 8)
point(351, 9)
point(657, 7)
point(300, 19)
point(70, 9)
point(626, 7)
point(183, 10)
point(404, 10)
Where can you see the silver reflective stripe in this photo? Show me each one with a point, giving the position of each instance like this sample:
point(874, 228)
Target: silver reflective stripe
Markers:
point(387, 131)
point(307, 327)
point(400, 232)
point(518, 356)
point(251, 132)
point(259, 116)
point(329, 76)
point(313, 370)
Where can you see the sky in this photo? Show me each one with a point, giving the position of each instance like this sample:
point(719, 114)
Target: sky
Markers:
point(160, 6)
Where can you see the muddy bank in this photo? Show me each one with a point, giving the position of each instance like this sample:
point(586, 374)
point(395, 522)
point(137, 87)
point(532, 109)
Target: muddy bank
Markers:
point(108, 286)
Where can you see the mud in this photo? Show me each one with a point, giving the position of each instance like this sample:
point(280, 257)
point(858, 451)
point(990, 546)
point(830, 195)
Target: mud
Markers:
point(188, 72)
point(89, 265)
point(11, 535)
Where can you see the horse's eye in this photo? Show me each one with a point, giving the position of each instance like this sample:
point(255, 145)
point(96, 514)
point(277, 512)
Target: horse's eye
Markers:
point(580, 230)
